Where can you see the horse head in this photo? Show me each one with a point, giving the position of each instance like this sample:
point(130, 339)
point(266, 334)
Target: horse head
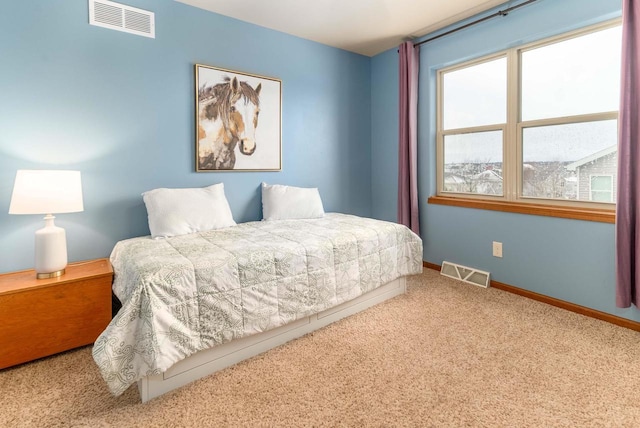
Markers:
point(244, 115)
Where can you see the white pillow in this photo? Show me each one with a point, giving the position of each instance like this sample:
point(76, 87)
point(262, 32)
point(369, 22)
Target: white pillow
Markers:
point(175, 212)
point(288, 202)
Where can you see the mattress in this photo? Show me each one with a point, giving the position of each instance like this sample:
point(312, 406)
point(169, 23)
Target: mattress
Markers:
point(187, 293)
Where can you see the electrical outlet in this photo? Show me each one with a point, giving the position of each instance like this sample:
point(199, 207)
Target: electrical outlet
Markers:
point(497, 249)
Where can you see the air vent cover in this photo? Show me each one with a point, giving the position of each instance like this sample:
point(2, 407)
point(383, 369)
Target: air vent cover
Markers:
point(466, 274)
point(116, 16)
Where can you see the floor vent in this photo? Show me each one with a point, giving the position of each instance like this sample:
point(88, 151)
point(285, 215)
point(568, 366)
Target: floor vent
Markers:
point(116, 16)
point(466, 274)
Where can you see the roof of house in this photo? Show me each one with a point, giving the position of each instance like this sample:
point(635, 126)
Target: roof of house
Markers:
point(592, 157)
point(489, 175)
point(452, 178)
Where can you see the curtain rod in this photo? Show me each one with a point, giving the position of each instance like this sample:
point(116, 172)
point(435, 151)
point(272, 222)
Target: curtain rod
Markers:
point(477, 21)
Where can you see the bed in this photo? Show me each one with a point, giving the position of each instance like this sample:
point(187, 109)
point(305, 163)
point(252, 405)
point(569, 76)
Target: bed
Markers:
point(195, 303)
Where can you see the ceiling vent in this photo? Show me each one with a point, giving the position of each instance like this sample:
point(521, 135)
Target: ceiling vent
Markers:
point(466, 274)
point(116, 16)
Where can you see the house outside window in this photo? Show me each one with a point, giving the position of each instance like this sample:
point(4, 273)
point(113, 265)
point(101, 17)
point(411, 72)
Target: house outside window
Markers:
point(533, 124)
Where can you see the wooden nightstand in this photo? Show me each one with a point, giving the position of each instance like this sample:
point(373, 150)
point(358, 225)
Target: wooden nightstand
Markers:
point(40, 317)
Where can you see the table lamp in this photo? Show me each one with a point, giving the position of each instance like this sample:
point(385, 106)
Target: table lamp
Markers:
point(48, 192)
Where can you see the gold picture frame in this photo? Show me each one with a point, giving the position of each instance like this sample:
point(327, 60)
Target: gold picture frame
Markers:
point(238, 121)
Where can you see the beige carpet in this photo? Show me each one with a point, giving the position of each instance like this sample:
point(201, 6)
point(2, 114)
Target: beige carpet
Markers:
point(445, 354)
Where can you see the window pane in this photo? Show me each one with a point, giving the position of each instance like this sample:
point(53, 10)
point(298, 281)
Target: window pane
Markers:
point(601, 182)
point(602, 197)
point(473, 163)
point(559, 160)
point(601, 188)
point(576, 76)
point(476, 95)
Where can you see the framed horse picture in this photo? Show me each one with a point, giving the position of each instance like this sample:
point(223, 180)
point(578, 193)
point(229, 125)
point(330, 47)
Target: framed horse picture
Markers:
point(238, 121)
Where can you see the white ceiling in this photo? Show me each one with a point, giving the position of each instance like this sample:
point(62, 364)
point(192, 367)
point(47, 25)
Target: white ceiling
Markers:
point(367, 27)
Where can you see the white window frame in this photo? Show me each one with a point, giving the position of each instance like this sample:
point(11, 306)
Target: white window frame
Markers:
point(512, 130)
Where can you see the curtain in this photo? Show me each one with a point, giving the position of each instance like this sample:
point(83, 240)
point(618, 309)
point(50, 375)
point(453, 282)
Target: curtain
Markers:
point(628, 199)
point(408, 137)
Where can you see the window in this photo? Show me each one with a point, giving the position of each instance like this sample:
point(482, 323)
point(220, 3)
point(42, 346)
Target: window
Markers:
point(534, 124)
point(476, 106)
point(601, 188)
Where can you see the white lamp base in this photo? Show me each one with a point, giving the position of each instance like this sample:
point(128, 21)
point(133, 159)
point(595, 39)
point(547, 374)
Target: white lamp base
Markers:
point(50, 250)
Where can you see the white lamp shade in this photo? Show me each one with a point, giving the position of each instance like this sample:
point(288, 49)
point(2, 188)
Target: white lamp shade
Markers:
point(46, 192)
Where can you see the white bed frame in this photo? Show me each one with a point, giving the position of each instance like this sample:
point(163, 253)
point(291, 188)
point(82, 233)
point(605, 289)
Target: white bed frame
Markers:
point(219, 357)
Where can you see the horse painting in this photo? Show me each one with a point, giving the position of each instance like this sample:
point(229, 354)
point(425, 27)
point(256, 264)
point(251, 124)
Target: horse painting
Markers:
point(228, 115)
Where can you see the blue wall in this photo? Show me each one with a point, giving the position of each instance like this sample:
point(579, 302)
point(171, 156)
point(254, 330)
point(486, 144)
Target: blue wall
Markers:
point(384, 135)
point(120, 108)
point(566, 259)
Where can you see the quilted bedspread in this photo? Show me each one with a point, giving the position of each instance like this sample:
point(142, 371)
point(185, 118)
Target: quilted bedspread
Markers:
point(191, 292)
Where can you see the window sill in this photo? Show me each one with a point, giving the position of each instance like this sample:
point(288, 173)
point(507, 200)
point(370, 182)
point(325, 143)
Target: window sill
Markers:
point(586, 214)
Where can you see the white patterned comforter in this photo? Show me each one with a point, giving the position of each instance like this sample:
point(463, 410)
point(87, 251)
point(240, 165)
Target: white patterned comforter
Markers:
point(187, 293)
